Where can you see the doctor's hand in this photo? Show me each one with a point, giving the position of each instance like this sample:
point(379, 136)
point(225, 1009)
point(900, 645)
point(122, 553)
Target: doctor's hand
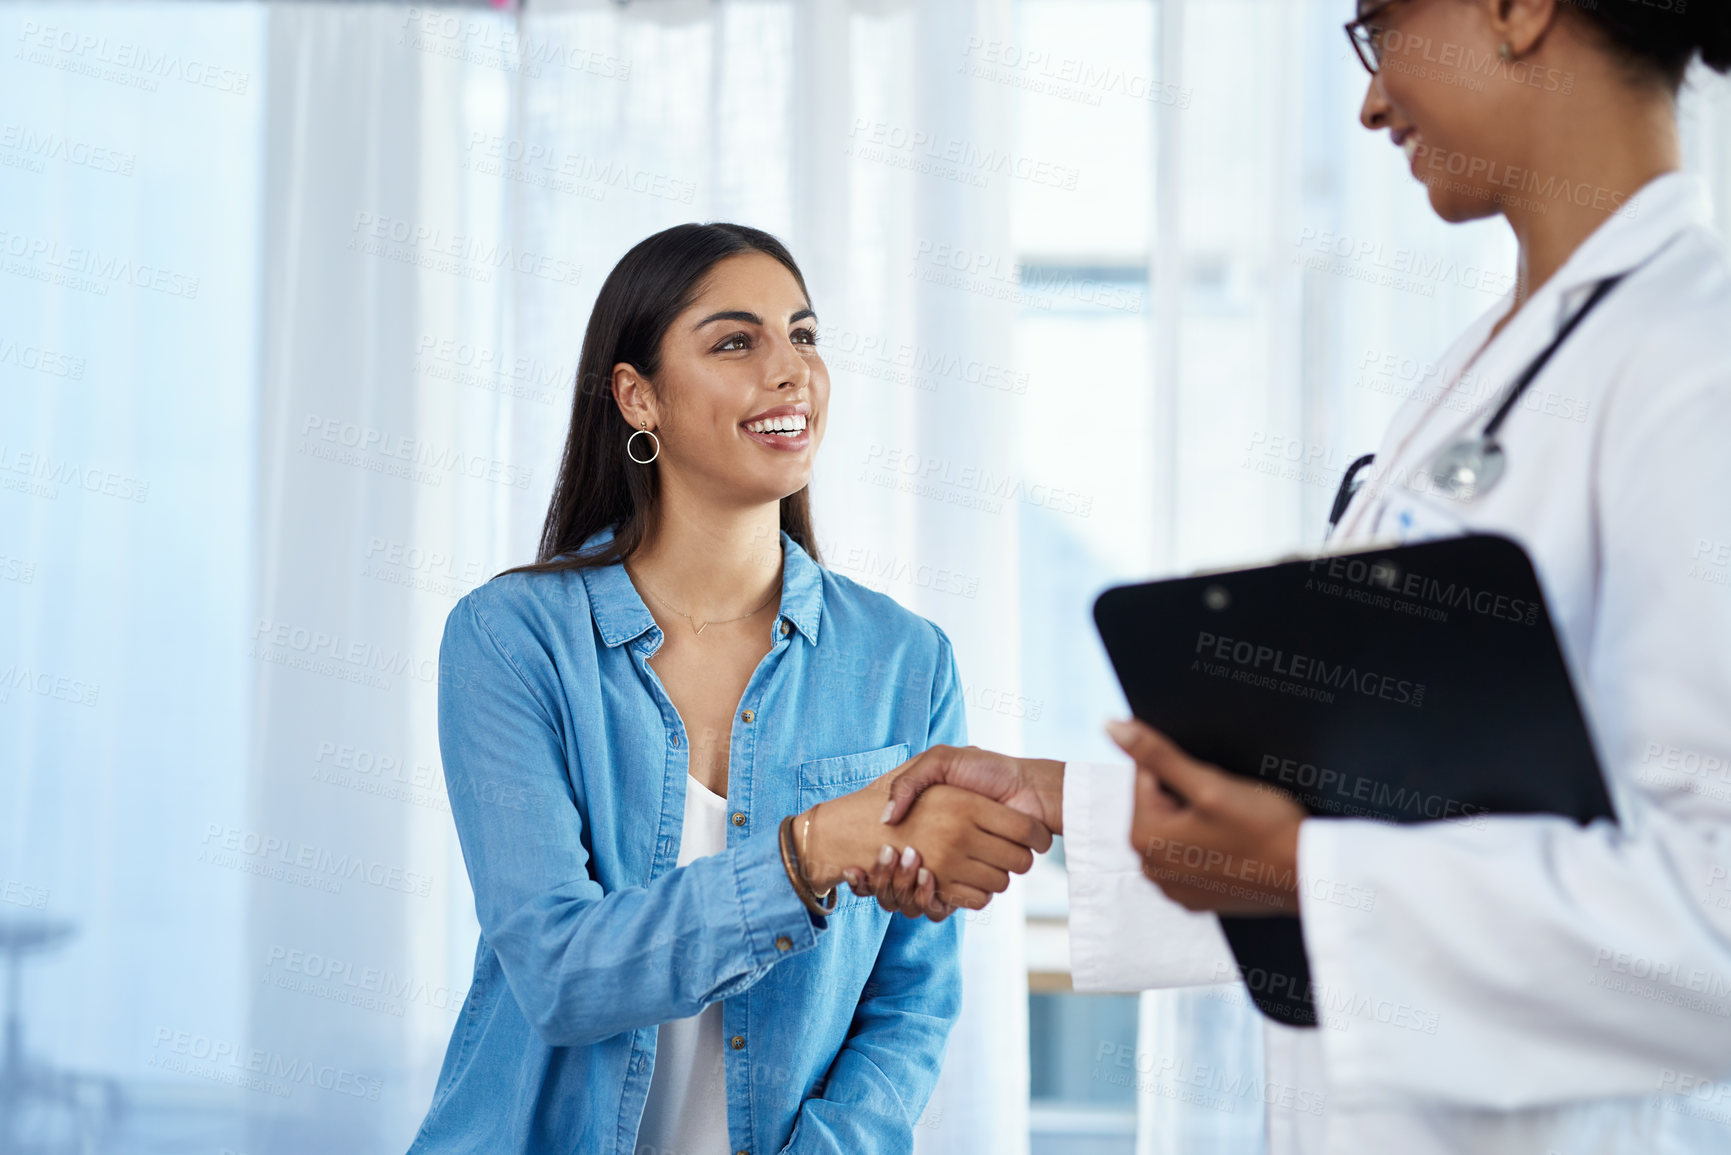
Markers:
point(1208, 839)
point(1033, 786)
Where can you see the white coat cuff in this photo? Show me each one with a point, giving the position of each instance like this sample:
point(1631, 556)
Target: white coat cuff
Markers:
point(1125, 935)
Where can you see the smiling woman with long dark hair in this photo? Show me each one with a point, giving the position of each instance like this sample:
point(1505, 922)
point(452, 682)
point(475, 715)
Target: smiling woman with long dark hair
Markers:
point(663, 742)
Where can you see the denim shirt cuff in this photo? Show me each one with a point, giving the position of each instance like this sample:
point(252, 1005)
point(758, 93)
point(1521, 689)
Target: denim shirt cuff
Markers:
point(769, 909)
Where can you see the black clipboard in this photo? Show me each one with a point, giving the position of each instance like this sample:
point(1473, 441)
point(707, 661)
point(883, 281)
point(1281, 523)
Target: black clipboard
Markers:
point(1406, 684)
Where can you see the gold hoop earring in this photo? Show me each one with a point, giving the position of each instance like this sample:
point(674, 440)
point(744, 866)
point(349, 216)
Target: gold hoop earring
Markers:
point(654, 440)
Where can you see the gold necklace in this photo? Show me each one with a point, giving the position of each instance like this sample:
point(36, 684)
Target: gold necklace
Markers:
point(698, 629)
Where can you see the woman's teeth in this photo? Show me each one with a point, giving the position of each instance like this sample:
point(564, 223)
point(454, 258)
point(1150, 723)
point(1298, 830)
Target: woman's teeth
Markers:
point(787, 426)
point(1410, 146)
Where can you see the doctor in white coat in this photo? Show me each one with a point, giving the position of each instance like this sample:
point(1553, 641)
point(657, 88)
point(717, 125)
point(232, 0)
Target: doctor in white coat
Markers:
point(1520, 984)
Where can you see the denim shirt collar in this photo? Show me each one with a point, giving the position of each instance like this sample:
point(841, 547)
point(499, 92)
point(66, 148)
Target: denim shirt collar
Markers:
point(620, 615)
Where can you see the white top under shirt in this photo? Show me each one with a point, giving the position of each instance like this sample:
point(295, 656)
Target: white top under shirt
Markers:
point(687, 1107)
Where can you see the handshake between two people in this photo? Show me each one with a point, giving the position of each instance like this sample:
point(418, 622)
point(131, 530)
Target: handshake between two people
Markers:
point(957, 821)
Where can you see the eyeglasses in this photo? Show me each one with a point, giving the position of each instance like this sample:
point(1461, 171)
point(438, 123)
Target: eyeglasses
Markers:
point(1367, 36)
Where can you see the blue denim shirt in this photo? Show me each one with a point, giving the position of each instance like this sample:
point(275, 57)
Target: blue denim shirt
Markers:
point(567, 766)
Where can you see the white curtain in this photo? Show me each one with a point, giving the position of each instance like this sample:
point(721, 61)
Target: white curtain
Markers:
point(398, 218)
point(290, 301)
point(129, 407)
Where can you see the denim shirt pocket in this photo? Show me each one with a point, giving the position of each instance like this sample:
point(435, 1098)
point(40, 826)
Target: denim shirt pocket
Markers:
point(826, 778)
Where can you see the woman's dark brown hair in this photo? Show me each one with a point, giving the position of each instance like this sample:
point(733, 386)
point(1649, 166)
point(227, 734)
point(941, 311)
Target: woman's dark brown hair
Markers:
point(599, 486)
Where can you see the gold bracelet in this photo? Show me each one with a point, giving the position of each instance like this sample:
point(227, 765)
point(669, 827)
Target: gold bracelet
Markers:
point(804, 845)
point(790, 860)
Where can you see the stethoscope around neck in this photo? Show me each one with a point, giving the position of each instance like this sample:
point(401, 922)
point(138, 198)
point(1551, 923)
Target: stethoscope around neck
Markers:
point(1472, 466)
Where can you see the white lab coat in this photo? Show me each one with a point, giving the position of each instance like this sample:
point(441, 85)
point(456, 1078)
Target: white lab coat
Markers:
point(1524, 985)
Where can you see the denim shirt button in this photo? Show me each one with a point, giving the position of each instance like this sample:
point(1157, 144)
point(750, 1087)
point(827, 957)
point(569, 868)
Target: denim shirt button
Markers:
point(737, 1042)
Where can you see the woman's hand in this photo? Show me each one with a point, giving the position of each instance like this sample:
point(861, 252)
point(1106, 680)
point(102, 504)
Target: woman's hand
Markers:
point(1210, 840)
point(969, 845)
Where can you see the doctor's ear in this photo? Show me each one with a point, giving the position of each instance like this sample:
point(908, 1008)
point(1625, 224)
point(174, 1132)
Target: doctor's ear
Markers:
point(1519, 25)
point(635, 396)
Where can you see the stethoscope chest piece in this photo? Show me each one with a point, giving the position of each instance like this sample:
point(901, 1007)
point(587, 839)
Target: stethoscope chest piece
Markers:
point(1468, 468)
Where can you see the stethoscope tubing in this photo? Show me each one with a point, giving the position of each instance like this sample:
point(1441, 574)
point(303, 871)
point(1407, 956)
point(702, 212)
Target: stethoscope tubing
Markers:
point(1349, 485)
